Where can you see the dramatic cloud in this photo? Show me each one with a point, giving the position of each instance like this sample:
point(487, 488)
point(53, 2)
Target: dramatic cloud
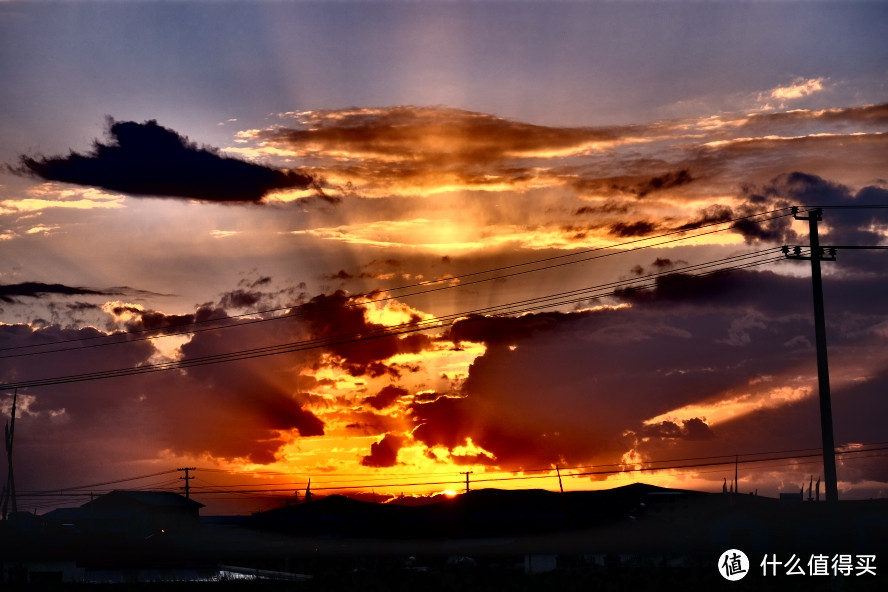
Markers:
point(621, 182)
point(240, 410)
point(520, 273)
point(690, 429)
point(249, 407)
point(584, 387)
point(146, 159)
point(341, 320)
point(384, 453)
point(386, 397)
point(417, 150)
point(37, 289)
point(638, 186)
point(433, 135)
point(853, 218)
point(428, 149)
point(717, 360)
point(625, 230)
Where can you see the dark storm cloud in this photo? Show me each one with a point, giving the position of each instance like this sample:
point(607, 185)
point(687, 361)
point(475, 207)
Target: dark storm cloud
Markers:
point(511, 440)
point(632, 229)
point(249, 406)
point(504, 330)
point(249, 295)
point(384, 453)
point(446, 421)
point(665, 181)
point(660, 265)
point(152, 320)
point(62, 429)
point(690, 429)
point(151, 160)
point(260, 281)
point(849, 223)
point(734, 288)
point(8, 292)
point(386, 396)
point(340, 275)
point(850, 218)
point(638, 185)
point(82, 306)
point(369, 423)
point(241, 299)
point(710, 215)
point(336, 317)
point(610, 207)
point(578, 387)
point(243, 409)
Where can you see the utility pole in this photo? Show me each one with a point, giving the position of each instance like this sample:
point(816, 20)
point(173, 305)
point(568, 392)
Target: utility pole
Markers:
point(467, 473)
point(826, 424)
point(822, 253)
point(187, 478)
point(736, 474)
point(558, 470)
point(9, 490)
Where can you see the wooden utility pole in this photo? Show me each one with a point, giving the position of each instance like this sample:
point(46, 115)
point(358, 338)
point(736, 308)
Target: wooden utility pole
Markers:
point(187, 478)
point(467, 473)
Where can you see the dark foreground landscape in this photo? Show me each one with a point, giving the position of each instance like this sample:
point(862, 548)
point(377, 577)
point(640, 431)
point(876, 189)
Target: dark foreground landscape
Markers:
point(632, 538)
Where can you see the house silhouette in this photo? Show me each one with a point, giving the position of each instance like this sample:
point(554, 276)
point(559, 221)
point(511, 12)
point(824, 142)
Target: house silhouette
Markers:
point(129, 513)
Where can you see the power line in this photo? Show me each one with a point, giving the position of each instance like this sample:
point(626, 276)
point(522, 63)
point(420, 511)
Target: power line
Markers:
point(728, 460)
point(557, 299)
point(115, 481)
point(514, 307)
point(610, 250)
point(549, 472)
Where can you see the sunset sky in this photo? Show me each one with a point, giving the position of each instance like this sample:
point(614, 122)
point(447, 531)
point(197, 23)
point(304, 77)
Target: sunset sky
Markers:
point(381, 244)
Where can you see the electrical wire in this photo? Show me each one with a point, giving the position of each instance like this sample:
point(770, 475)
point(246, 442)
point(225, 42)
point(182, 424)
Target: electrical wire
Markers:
point(513, 307)
point(799, 456)
point(450, 282)
point(523, 306)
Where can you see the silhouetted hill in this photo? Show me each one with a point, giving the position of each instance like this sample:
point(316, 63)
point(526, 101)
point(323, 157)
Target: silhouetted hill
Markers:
point(485, 512)
point(633, 529)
